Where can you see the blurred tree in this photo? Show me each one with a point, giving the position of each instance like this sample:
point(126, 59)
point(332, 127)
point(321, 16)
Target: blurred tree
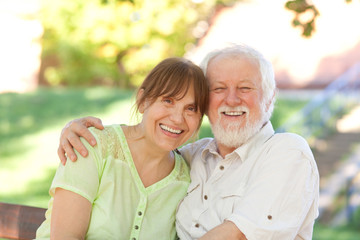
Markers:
point(117, 42)
point(107, 41)
point(305, 15)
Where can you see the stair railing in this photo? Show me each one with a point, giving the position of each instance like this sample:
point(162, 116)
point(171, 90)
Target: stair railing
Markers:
point(317, 119)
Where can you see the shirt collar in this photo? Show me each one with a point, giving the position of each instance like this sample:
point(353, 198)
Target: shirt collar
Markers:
point(210, 148)
point(255, 141)
point(245, 150)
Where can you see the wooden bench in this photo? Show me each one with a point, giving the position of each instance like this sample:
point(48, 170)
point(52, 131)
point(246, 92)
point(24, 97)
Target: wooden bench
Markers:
point(19, 221)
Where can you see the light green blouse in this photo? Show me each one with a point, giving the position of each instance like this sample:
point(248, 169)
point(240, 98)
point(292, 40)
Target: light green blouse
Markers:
point(122, 208)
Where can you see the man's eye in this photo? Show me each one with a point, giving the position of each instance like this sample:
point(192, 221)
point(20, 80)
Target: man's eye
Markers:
point(218, 89)
point(245, 89)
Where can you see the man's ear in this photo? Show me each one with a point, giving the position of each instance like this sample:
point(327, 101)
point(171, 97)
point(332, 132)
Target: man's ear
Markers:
point(141, 107)
point(268, 104)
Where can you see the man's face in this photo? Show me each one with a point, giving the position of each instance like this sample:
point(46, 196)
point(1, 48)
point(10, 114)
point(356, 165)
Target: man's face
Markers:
point(235, 105)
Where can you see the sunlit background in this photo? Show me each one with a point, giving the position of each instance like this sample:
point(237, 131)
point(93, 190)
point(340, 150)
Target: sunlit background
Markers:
point(60, 60)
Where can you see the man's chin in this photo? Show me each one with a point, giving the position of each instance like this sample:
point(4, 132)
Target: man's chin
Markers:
point(234, 135)
point(231, 137)
point(233, 126)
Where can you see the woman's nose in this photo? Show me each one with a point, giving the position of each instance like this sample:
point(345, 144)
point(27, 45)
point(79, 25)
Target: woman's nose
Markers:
point(177, 116)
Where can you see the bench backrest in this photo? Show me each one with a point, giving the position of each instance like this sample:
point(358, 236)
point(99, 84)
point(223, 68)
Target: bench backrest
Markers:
point(19, 221)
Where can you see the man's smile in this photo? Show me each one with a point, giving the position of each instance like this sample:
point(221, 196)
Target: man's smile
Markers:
point(233, 113)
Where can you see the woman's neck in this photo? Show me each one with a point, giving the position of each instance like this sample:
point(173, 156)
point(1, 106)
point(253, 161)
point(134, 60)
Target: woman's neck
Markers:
point(151, 164)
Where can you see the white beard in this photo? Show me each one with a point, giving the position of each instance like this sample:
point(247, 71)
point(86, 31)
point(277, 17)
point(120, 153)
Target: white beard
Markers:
point(233, 135)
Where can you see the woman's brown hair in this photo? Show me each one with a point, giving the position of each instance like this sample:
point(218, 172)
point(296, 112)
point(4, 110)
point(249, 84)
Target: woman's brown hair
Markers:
point(173, 77)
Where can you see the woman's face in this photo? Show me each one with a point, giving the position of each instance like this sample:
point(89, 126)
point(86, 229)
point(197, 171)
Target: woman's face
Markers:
point(169, 122)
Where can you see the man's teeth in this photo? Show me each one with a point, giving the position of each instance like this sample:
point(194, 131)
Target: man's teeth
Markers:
point(166, 128)
point(234, 113)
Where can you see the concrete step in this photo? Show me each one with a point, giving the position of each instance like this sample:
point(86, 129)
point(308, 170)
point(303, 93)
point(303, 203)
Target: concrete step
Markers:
point(331, 152)
point(338, 160)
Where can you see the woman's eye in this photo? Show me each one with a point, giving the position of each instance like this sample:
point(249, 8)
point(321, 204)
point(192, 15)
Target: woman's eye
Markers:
point(167, 100)
point(192, 108)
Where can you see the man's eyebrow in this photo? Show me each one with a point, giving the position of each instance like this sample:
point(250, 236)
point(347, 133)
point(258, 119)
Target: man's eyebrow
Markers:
point(248, 81)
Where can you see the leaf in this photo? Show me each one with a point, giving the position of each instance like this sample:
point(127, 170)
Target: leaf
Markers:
point(308, 29)
point(298, 6)
point(296, 22)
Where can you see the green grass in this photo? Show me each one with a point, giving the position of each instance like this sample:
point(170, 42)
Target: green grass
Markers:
point(30, 125)
point(336, 233)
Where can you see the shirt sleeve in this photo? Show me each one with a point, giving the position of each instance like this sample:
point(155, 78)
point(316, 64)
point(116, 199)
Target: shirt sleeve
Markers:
point(81, 177)
point(282, 193)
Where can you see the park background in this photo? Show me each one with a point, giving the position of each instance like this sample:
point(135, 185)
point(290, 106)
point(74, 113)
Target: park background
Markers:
point(60, 60)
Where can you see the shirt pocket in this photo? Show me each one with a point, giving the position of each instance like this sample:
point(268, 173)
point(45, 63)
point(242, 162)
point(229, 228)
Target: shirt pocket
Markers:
point(229, 198)
point(238, 191)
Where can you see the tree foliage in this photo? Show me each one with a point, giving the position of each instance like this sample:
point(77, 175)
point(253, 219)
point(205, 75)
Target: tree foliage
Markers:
point(305, 15)
point(115, 42)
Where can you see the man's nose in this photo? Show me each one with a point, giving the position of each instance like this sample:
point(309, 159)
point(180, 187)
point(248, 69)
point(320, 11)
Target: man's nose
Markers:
point(233, 98)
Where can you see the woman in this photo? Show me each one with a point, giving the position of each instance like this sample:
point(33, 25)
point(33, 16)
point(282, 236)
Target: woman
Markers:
point(133, 179)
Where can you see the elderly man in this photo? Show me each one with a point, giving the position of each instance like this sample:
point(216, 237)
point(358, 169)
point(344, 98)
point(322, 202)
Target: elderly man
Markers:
point(247, 182)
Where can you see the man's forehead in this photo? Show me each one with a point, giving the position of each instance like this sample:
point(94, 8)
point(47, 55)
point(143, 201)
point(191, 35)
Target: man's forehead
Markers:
point(238, 81)
point(233, 64)
point(232, 56)
point(220, 71)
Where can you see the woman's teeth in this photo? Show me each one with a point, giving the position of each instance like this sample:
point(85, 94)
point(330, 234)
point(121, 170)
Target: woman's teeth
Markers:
point(166, 128)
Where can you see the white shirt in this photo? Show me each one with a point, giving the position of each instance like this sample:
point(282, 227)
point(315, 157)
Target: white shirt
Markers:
point(268, 187)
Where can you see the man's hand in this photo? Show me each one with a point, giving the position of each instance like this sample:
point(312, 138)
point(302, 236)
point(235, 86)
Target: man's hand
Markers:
point(70, 137)
point(227, 230)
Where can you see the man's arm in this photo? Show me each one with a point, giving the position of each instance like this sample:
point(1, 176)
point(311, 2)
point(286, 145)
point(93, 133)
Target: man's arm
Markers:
point(227, 230)
point(70, 137)
point(70, 215)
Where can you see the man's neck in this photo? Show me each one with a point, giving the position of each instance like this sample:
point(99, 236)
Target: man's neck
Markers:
point(224, 150)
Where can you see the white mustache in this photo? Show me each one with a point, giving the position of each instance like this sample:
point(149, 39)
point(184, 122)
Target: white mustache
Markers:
point(239, 109)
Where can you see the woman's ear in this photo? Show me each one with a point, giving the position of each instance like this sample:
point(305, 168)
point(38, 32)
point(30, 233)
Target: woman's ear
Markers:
point(141, 106)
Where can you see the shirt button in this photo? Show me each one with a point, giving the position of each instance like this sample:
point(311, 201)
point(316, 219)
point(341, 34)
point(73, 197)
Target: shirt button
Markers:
point(139, 213)
point(197, 225)
point(221, 167)
point(269, 217)
point(205, 197)
point(136, 227)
